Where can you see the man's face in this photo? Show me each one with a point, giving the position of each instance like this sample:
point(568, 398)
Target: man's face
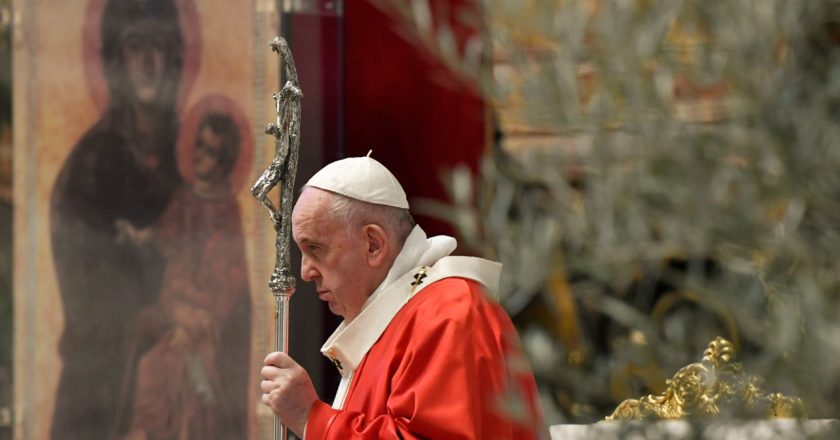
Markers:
point(334, 255)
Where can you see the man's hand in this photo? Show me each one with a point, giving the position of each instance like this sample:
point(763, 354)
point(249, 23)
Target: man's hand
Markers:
point(287, 390)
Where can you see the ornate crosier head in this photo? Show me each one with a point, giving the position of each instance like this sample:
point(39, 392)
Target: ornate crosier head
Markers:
point(283, 167)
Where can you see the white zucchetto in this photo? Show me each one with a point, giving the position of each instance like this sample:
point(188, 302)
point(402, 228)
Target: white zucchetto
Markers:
point(361, 178)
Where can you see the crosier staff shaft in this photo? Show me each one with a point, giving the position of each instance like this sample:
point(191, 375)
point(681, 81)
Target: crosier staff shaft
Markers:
point(281, 171)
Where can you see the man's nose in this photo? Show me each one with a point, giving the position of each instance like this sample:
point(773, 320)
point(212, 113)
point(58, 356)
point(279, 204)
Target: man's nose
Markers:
point(308, 272)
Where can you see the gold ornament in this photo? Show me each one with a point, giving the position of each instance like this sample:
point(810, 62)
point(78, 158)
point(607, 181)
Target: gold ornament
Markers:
point(715, 386)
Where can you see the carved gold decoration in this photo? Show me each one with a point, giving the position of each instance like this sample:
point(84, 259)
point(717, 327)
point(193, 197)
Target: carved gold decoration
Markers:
point(714, 386)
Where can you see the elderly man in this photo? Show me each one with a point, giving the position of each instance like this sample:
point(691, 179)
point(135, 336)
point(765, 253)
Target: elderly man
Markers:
point(422, 352)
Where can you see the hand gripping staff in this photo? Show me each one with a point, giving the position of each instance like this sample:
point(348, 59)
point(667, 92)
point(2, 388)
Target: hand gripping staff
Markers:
point(282, 170)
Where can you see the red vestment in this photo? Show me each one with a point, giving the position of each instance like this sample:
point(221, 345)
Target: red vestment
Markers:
point(448, 366)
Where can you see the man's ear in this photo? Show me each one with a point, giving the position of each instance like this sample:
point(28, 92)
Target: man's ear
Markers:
point(377, 244)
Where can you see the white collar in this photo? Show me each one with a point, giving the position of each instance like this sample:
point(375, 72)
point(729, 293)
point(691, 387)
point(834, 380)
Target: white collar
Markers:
point(349, 344)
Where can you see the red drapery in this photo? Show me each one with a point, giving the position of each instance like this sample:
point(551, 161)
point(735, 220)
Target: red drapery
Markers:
point(400, 101)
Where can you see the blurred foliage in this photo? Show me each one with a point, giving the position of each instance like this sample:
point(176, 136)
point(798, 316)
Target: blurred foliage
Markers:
point(665, 171)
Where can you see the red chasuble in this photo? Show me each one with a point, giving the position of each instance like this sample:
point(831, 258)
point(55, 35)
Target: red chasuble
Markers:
point(448, 366)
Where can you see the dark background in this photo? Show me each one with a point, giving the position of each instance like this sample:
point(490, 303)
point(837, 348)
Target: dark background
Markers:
point(5, 219)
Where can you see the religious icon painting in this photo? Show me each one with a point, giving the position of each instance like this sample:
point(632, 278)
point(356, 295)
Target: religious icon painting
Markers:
point(138, 244)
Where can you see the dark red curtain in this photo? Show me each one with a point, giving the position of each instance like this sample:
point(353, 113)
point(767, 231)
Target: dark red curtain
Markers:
point(400, 101)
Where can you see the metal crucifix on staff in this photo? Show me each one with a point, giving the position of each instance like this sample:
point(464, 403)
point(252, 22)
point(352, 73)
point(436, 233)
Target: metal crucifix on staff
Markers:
point(281, 171)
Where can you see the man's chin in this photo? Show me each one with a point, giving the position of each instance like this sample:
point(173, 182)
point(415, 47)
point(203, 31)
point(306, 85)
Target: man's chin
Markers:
point(335, 309)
